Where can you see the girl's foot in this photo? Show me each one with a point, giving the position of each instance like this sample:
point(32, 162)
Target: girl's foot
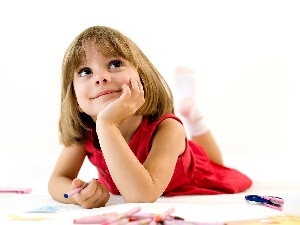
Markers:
point(185, 103)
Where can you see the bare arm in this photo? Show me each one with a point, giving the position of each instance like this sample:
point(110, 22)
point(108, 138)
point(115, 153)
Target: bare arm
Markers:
point(66, 169)
point(142, 182)
point(64, 178)
point(137, 182)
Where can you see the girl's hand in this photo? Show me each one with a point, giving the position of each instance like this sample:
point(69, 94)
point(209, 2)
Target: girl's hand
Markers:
point(94, 195)
point(126, 105)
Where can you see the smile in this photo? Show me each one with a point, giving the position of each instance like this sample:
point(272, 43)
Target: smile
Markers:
point(104, 93)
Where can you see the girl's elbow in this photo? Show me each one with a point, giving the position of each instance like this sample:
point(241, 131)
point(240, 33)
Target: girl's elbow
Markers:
point(140, 199)
point(51, 189)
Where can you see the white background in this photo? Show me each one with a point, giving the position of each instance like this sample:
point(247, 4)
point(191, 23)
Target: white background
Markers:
point(246, 55)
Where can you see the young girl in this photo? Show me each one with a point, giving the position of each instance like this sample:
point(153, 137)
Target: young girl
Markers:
point(117, 110)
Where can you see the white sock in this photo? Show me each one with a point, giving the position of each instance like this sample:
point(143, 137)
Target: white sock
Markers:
point(184, 83)
point(192, 117)
point(185, 103)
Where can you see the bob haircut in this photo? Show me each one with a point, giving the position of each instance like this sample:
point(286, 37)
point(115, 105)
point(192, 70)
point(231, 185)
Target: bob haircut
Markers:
point(73, 124)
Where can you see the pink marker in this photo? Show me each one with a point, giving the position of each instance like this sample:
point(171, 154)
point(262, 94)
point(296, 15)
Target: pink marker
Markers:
point(15, 190)
point(165, 214)
point(121, 216)
point(75, 190)
point(183, 222)
point(97, 219)
point(141, 222)
point(131, 212)
point(107, 219)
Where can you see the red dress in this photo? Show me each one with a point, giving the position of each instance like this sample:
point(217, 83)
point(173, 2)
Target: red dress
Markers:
point(194, 173)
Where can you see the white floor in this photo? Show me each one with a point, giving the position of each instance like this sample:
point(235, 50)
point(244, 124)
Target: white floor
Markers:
point(275, 175)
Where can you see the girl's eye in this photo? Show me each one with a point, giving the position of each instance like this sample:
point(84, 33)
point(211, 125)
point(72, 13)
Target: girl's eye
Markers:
point(115, 64)
point(84, 72)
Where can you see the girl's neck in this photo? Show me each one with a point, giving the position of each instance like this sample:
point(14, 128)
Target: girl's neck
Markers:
point(129, 127)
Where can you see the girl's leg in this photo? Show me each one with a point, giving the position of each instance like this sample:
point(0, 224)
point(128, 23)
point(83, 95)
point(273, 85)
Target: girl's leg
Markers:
point(185, 104)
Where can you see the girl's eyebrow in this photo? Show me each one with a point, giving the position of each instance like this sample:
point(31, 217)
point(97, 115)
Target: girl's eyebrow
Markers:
point(81, 64)
point(79, 68)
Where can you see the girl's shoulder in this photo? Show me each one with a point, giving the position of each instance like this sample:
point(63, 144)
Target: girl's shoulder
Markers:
point(149, 126)
point(148, 121)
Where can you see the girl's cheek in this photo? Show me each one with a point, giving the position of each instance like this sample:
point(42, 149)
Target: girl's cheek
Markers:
point(126, 76)
point(134, 76)
point(125, 79)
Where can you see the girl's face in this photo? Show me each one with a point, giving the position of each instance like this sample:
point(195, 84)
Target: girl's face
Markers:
point(98, 81)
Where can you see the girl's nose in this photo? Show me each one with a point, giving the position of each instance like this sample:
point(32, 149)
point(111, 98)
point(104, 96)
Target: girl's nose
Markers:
point(103, 81)
point(101, 78)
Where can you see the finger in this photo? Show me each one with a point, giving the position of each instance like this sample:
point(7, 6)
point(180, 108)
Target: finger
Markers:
point(99, 198)
point(90, 189)
point(137, 88)
point(104, 196)
point(126, 92)
point(88, 195)
point(134, 84)
point(77, 183)
point(140, 91)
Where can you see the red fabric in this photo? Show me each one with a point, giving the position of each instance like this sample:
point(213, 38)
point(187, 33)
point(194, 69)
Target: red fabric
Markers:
point(194, 173)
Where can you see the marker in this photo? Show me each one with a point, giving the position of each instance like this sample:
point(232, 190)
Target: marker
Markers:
point(75, 190)
point(162, 216)
point(108, 219)
point(156, 217)
point(97, 219)
point(141, 222)
point(183, 222)
point(15, 190)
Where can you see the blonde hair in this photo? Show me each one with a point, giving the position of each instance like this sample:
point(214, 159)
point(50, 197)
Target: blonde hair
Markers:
point(111, 43)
